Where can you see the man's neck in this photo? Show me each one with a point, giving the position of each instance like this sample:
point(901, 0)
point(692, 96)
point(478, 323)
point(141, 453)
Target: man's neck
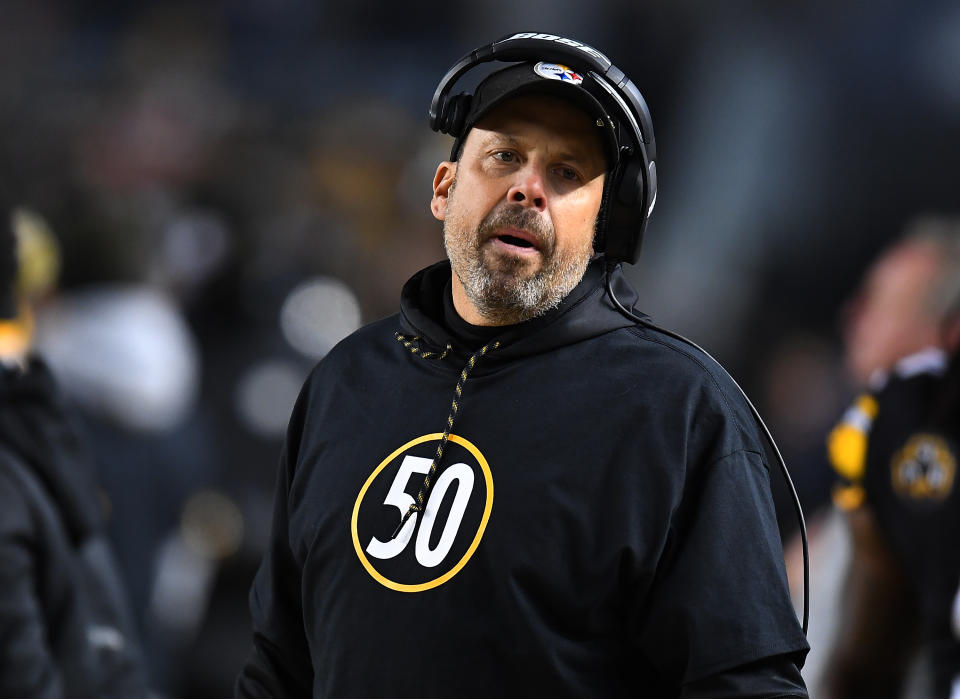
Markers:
point(465, 308)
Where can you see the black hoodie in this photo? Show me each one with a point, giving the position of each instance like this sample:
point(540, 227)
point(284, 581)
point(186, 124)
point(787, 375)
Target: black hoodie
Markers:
point(600, 524)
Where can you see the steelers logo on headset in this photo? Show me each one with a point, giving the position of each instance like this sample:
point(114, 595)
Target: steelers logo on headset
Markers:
point(435, 544)
point(924, 468)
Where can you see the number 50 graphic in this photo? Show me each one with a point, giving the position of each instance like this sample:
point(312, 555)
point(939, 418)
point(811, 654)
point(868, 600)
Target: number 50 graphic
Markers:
point(399, 498)
point(409, 475)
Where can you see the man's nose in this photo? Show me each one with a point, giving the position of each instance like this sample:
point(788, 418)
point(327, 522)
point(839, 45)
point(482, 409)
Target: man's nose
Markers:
point(528, 189)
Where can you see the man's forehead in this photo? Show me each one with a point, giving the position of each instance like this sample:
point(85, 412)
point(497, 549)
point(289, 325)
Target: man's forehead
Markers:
point(568, 125)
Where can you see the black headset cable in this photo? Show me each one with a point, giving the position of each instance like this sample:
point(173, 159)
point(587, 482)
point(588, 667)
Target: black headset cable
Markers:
point(756, 414)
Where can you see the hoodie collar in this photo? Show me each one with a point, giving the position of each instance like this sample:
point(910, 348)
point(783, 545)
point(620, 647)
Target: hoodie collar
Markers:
point(585, 312)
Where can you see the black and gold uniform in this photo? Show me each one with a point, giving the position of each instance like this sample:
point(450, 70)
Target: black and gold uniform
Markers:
point(601, 524)
point(896, 451)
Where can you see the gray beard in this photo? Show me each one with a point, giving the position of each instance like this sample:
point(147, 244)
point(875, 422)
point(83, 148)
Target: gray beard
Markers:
point(500, 294)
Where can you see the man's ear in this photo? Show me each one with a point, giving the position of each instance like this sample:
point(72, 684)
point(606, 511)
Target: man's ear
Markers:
point(442, 183)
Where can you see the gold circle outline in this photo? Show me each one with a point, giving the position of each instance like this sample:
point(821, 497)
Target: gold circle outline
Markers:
point(420, 587)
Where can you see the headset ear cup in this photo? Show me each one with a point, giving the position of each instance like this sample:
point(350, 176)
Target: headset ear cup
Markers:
point(626, 217)
point(630, 191)
point(453, 114)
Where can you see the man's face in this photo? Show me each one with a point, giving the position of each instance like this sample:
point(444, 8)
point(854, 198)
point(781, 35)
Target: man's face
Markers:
point(520, 208)
point(892, 315)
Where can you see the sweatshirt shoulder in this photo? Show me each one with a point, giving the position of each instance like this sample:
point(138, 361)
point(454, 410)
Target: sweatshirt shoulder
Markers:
point(352, 353)
point(350, 365)
point(364, 341)
point(683, 376)
point(673, 360)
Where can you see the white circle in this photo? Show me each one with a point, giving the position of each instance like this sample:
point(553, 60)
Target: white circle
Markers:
point(266, 394)
point(317, 314)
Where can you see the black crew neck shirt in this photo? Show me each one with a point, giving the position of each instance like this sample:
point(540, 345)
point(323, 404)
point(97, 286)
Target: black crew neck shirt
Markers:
point(467, 335)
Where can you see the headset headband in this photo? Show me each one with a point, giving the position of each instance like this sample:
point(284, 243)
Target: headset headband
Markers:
point(524, 45)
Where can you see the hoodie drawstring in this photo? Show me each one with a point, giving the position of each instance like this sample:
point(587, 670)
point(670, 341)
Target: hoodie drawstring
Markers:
point(412, 344)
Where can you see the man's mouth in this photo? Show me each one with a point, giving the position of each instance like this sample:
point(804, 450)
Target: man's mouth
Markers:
point(518, 240)
point(513, 240)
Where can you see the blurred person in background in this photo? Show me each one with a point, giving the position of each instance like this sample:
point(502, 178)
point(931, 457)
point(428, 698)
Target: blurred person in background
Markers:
point(65, 627)
point(895, 452)
point(906, 293)
point(629, 550)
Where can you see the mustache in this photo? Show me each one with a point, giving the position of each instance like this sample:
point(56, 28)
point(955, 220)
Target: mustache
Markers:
point(516, 216)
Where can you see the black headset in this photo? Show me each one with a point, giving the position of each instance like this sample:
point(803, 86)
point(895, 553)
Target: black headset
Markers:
point(631, 187)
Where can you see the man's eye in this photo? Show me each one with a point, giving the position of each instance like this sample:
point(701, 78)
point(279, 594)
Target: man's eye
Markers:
point(504, 156)
point(568, 173)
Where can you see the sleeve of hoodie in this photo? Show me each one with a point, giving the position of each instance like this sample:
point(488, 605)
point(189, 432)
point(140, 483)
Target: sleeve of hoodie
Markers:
point(28, 668)
point(721, 605)
point(771, 678)
point(279, 665)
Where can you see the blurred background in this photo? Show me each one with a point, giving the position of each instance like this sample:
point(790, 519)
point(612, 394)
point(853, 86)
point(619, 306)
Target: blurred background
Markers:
point(223, 190)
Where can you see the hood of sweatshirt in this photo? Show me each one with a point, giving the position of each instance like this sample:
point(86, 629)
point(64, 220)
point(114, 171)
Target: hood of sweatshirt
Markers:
point(586, 312)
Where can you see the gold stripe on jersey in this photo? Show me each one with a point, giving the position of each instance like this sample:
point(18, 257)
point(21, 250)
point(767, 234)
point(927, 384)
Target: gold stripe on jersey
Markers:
point(848, 497)
point(847, 443)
